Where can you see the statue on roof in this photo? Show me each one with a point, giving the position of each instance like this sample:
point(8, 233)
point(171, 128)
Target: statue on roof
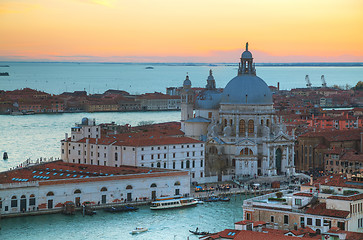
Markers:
point(246, 46)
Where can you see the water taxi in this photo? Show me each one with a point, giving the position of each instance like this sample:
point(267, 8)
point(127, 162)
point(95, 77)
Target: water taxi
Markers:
point(139, 230)
point(173, 202)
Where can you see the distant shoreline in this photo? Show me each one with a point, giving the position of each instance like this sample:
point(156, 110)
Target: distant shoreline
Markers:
point(305, 64)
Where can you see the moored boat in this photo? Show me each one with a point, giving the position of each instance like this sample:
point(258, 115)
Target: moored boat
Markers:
point(173, 203)
point(5, 156)
point(139, 230)
point(121, 209)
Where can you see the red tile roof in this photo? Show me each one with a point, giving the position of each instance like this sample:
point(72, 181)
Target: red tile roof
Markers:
point(58, 170)
point(355, 197)
point(333, 135)
point(303, 194)
point(349, 235)
point(249, 235)
point(321, 210)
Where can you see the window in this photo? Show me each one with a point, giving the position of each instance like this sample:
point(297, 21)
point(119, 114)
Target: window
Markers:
point(187, 154)
point(286, 219)
point(158, 148)
point(318, 222)
point(251, 127)
point(341, 225)
point(153, 185)
point(272, 219)
point(158, 156)
point(104, 189)
point(242, 126)
point(164, 164)
point(201, 174)
point(182, 164)
point(158, 165)
point(248, 216)
point(104, 155)
point(164, 155)
point(142, 157)
point(298, 201)
point(32, 200)
point(309, 221)
point(188, 164)
point(173, 165)
point(129, 187)
point(116, 158)
point(201, 153)
point(302, 221)
point(201, 163)
point(193, 164)
point(50, 194)
point(177, 183)
point(77, 191)
point(152, 165)
point(14, 201)
point(152, 156)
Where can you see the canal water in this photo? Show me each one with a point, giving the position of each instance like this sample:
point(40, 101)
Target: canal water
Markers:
point(162, 224)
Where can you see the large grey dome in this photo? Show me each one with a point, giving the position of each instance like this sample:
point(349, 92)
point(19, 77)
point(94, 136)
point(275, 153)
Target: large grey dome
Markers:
point(208, 99)
point(246, 89)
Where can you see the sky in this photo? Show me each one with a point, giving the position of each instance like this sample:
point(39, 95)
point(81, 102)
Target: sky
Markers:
point(181, 31)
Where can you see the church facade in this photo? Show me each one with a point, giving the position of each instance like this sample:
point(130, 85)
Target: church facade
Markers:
point(243, 135)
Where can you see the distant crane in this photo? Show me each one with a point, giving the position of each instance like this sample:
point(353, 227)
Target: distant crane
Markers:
point(323, 80)
point(308, 83)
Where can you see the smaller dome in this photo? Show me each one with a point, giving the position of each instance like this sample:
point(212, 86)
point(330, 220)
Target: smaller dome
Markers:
point(84, 121)
point(187, 82)
point(208, 99)
point(246, 54)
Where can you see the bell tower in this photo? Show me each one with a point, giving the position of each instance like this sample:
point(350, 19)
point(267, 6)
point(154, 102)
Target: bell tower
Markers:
point(187, 102)
point(246, 66)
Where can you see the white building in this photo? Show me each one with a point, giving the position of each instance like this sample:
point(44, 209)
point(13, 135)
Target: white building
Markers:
point(242, 133)
point(50, 185)
point(166, 148)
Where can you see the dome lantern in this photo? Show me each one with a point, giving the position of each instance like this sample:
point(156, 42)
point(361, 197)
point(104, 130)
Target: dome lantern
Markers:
point(246, 65)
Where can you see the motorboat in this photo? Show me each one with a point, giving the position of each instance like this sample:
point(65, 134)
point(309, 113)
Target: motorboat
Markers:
point(139, 230)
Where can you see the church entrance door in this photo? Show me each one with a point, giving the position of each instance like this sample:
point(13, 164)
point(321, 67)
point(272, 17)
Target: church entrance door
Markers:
point(278, 159)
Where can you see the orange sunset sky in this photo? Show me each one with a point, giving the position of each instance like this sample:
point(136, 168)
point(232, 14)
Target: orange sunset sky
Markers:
point(181, 31)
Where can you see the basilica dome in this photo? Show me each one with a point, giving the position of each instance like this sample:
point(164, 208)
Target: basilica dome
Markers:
point(246, 89)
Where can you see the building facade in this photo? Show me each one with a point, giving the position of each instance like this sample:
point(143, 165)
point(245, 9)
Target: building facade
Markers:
point(242, 133)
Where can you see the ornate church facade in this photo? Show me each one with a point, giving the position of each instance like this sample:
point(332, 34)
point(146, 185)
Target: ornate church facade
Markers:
point(243, 135)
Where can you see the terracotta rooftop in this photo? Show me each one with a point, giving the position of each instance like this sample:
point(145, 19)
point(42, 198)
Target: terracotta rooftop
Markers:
point(349, 235)
point(303, 194)
point(58, 170)
point(321, 210)
point(355, 197)
point(336, 180)
point(336, 135)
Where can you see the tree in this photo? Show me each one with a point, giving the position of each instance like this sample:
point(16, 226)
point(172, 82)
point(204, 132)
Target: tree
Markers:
point(359, 86)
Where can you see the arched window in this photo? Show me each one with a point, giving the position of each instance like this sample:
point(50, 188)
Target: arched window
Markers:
point(225, 122)
point(104, 189)
point(77, 191)
point(268, 122)
point(14, 201)
point(242, 126)
point(50, 194)
point(262, 122)
point(251, 127)
point(129, 187)
point(23, 196)
point(158, 164)
point(188, 164)
point(116, 157)
point(231, 122)
point(233, 162)
point(246, 151)
point(153, 185)
point(177, 183)
point(32, 200)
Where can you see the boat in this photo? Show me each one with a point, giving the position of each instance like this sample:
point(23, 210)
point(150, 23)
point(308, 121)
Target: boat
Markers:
point(4, 74)
point(16, 113)
point(177, 202)
point(199, 233)
point(212, 199)
point(224, 199)
point(5, 156)
point(139, 230)
point(149, 68)
point(121, 209)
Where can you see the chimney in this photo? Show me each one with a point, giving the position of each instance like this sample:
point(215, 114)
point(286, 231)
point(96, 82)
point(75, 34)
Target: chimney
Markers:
point(311, 180)
point(66, 136)
point(278, 86)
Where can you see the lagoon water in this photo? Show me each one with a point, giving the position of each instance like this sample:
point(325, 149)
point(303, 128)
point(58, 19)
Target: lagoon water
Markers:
point(35, 136)
point(163, 224)
point(56, 78)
